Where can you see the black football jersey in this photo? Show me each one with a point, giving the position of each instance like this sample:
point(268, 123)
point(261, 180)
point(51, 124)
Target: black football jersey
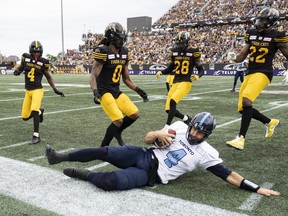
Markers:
point(183, 63)
point(113, 66)
point(263, 49)
point(34, 71)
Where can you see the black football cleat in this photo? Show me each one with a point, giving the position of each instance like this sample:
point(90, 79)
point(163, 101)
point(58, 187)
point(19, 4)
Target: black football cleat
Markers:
point(188, 120)
point(35, 140)
point(54, 157)
point(41, 115)
point(77, 173)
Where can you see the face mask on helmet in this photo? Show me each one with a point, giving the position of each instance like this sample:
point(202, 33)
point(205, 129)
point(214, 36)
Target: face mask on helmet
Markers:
point(116, 34)
point(203, 122)
point(36, 49)
point(266, 19)
point(182, 40)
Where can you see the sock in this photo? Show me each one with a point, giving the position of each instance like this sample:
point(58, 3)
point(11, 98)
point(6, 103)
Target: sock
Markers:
point(108, 136)
point(171, 112)
point(36, 120)
point(260, 117)
point(112, 131)
point(179, 115)
point(36, 134)
point(247, 114)
point(126, 123)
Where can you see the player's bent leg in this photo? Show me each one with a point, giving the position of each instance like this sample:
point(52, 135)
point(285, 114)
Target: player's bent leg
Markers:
point(130, 178)
point(104, 180)
point(77, 173)
point(53, 156)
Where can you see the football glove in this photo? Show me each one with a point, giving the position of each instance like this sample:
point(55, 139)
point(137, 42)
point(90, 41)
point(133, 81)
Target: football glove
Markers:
point(194, 77)
point(17, 72)
point(158, 74)
point(142, 94)
point(59, 93)
point(97, 96)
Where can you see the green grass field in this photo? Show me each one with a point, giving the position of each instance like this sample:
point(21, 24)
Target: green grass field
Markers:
point(76, 122)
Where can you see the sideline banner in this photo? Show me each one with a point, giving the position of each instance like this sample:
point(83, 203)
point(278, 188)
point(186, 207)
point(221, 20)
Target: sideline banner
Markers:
point(207, 72)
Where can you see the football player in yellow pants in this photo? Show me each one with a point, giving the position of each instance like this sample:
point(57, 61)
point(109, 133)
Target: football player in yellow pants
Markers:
point(34, 67)
point(111, 63)
point(261, 45)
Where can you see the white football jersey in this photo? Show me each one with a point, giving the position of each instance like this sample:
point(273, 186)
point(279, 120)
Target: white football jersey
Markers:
point(181, 157)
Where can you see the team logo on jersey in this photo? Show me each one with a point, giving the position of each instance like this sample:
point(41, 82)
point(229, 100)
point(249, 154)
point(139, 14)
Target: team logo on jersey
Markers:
point(189, 54)
point(252, 37)
point(267, 39)
point(111, 56)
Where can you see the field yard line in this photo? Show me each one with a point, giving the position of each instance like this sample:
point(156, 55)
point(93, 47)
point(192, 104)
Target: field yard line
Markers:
point(41, 157)
point(254, 198)
point(15, 145)
point(50, 189)
point(235, 120)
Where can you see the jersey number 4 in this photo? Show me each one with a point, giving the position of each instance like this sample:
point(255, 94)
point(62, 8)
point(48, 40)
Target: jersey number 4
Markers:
point(31, 75)
point(173, 157)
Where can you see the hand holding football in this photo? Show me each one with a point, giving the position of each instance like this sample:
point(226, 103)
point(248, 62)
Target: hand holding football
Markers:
point(165, 138)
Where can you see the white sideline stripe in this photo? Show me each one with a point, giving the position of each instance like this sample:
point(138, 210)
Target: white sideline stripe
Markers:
point(43, 156)
point(15, 145)
point(49, 189)
point(98, 166)
point(254, 198)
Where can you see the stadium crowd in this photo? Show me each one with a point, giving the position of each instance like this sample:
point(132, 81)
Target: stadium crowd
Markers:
point(215, 41)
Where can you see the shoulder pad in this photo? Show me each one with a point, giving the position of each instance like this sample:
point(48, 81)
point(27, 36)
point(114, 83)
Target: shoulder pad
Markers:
point(26, 55)
point(100, 53)
point(101, 49)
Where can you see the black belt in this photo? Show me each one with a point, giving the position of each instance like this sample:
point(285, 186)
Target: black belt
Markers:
point(153, 175)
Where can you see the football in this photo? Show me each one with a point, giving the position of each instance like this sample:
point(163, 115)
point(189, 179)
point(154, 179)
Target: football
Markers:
point(159, 144)
point(171, 131)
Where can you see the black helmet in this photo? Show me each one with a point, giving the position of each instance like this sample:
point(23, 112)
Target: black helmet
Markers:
point(204, 122)
point(36, 46)
point(182, 40)
point(116, 34)
point(266, 19)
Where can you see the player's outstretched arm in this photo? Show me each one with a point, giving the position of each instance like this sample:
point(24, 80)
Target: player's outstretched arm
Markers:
point(237, 180)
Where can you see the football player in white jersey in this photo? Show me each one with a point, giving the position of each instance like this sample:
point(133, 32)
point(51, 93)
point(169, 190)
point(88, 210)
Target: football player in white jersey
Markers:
point(173, 156)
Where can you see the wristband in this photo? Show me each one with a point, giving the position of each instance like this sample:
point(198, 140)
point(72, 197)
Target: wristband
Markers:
point(248, 185)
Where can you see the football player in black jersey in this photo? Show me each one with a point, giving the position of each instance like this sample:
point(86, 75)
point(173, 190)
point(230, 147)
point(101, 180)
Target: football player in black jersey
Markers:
point(34, 66)
point(111, 60)
point(183, 61)
point(261, 45)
